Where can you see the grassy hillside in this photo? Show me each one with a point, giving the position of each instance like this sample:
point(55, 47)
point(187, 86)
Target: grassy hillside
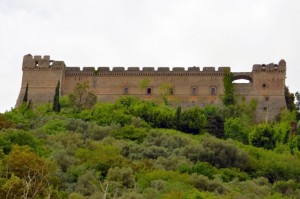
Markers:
point(139, 149)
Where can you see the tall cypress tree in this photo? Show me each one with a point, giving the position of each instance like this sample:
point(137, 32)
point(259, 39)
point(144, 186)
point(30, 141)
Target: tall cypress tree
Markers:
point(25, 98)
point(56, 104)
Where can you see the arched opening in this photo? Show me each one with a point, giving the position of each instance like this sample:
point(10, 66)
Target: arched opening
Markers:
point(241, 81)
point(242, 78)
point(194, 90)
point(149, 90)
point(125, 90)
point(213, 91)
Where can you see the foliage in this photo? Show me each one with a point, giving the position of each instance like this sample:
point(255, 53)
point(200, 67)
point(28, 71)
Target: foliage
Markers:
point(144, 83)
point(140, 149)
point(56, 105)
point(289, 99)
point(228, 98)
point(25, 98)
point(165, 90)
point(192, 121)
point(235, 129)
point(263, 136)
point(82, 98)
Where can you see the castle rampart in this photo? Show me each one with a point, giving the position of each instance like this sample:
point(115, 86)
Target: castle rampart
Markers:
point(193, 86)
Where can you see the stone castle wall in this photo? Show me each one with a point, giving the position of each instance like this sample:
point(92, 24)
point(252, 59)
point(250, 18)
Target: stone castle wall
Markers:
point(191, 87)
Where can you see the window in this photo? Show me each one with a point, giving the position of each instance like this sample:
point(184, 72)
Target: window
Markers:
point(194, 90)
point(213, 91)
point(149, 91)
point(264, 85)
point(125, 90)
point(171, 91)
point(265, 108)
point(267, 98)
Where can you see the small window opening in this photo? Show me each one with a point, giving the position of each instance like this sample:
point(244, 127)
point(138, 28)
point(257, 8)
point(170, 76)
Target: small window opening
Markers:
point(213, 91)
point(149, 90)
point(194, 90)
point(264, 85)
point(125, 90)
point(36, 63)
point(171, 91)
point(265, 108)
point(267, 98)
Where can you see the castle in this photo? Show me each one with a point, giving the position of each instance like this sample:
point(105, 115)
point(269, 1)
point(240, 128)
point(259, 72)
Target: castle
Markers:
point(191, 87)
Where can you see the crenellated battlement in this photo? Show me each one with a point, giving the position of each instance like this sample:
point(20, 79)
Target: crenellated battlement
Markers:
point(280, 67)
point(41, 63)
point(143, 71)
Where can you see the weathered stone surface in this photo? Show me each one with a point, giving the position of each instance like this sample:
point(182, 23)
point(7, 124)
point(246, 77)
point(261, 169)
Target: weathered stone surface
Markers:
point(266, 83)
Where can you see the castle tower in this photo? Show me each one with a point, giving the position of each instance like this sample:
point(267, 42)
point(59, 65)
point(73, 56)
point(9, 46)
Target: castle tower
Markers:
point(268, 86)
point(42, 75)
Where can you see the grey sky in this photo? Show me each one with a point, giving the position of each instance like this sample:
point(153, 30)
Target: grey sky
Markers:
point(236, 33)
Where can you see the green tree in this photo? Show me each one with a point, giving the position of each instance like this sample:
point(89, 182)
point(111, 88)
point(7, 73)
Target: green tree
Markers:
point(289, 99)
point(144, 83)
point(234, 128)
point(82, 97)
point(297, 95)
point(228, 98)
point(56, 104)
point(192, 121)
point(36, 173)
point(25, 98)
point(263, 136)
point(165, 90)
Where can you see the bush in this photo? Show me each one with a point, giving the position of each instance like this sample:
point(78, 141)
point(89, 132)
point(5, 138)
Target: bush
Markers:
point(263, 136)
point(130, 133)
point(223, 154)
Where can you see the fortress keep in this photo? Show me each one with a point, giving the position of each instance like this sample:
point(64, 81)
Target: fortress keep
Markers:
point(191, 87)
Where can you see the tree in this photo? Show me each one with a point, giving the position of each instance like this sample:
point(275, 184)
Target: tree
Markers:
point(35, 173)
point(144, 83)
point(178, 115)
point(289, 99)
point(25, 98)
point(56, 104)
point(297, 95)
point(263, 136)
point(192, 121)
point(228, 98)
point(234, 128)
point(165, 90)
point(82, 98)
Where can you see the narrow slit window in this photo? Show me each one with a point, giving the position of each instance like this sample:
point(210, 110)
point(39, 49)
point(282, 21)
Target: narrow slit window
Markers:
point(125, 90)
point(194, 90)
point(149, 91)
point(264, 85)
point(213, 91)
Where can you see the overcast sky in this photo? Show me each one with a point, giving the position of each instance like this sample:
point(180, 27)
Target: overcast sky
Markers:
point(235, 33)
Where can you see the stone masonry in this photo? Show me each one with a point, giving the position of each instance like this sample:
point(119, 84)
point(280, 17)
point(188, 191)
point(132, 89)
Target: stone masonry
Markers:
point(191, 87)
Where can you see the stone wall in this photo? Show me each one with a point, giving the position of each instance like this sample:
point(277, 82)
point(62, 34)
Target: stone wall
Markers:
point(190, 87)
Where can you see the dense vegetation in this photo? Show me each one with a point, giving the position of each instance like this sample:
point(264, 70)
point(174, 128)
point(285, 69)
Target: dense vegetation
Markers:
point(141, 149)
